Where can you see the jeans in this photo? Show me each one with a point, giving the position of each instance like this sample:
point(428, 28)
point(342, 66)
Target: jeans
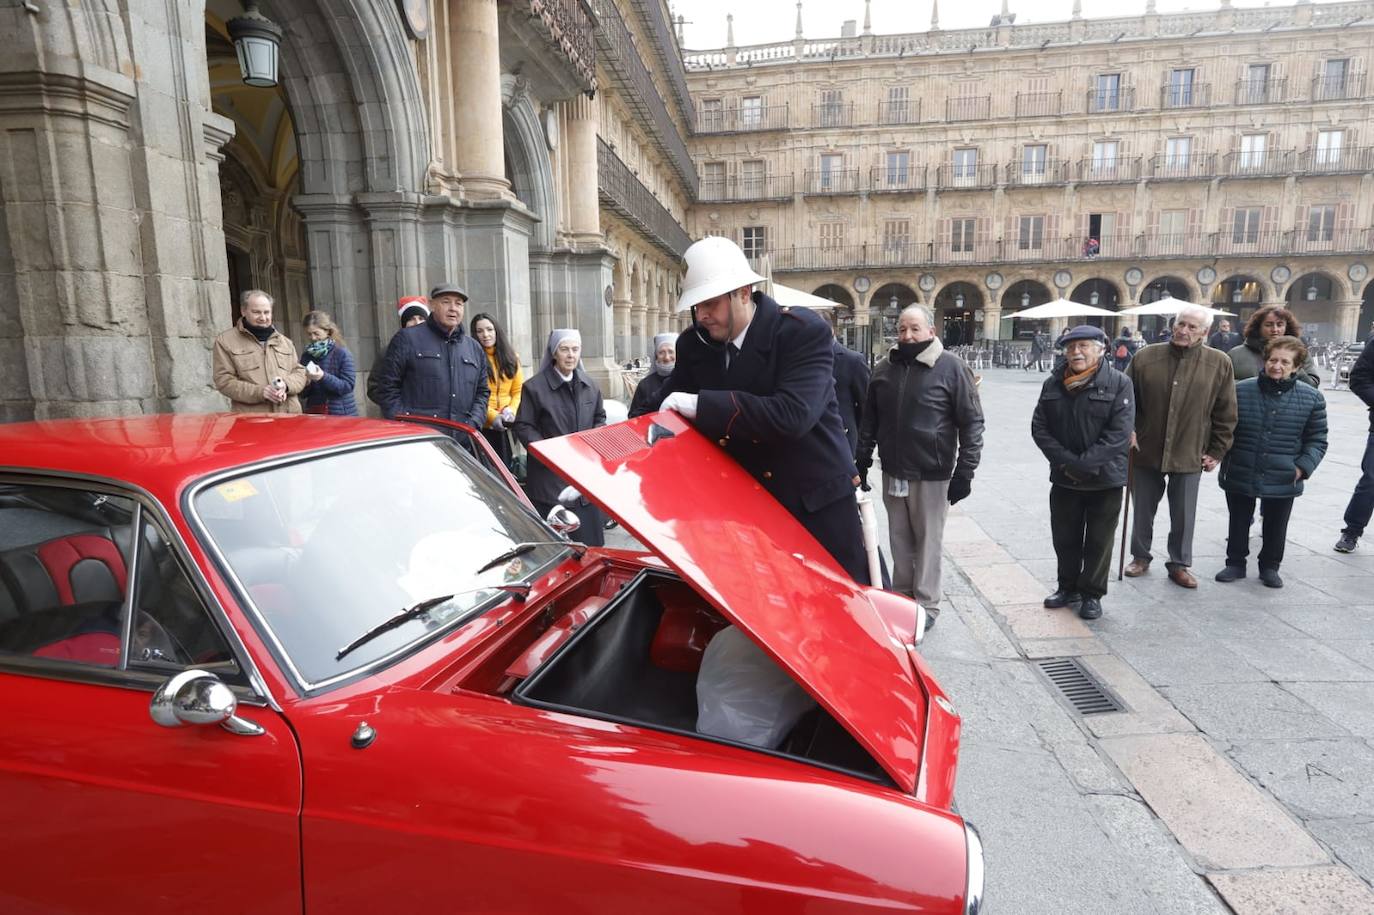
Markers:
point(1361, 506)
point(1273, 529)
point(1082, 525)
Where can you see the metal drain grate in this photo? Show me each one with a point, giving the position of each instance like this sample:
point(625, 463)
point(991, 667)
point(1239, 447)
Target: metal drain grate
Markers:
point(1084, 692)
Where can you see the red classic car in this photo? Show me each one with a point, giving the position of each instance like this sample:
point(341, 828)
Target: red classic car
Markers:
point(283, 664)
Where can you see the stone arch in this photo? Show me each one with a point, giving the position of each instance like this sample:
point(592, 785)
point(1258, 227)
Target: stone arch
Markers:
point(1253, 287)
point(954, 305)
point(1339, 290)
point(837, 293)
point(1152, 289)
point(528, 153)
point(1109, 296)
point(1031, 288)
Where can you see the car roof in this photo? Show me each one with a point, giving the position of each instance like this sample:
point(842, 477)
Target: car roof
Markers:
point(164, 451)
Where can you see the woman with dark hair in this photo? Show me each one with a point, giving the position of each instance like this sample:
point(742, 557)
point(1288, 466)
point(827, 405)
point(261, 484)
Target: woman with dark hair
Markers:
point(504, 377)
point(1280, 440)
point(329, 368)
point(1264, 325)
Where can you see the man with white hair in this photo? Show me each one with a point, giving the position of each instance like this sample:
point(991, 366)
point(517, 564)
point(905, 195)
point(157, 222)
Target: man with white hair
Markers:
point(758, 378)
point(1185, 418)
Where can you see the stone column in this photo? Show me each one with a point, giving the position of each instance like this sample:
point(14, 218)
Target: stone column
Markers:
point(1348, 320)
point(480, 154)
point(992, 321)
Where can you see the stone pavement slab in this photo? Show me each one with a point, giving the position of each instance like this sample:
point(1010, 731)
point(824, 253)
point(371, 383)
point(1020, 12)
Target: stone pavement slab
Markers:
point(1315, 779)
point(1225, 822)
point(1239, 711)
point(1301, 891)
point(1298, 659)
point(1187, 661)
point(1349, 705)
point(1351, 841)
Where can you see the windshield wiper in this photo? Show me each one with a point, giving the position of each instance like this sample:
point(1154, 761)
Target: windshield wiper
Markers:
point(518, 590)
point(520, 549)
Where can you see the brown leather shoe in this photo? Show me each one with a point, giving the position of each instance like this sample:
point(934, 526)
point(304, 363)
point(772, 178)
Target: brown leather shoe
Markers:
point(1137, 568)
point(1180, 576)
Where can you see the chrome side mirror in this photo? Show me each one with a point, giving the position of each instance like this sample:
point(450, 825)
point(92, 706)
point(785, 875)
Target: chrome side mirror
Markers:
point(199, 697)
point(563, 519)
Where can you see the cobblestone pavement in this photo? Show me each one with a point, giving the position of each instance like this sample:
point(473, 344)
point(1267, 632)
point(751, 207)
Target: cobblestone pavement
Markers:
point(1239, 778)
point(1240, 775)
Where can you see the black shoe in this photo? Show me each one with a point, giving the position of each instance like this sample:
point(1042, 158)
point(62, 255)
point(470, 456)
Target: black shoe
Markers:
point(1347, 543)
point(930, 620)
point(1271, 579)
point(1090, 608)
point(1062, 598)
point(1231, 573)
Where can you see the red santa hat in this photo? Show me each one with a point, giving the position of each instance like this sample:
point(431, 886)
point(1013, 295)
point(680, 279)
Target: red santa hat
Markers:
point(410, 306)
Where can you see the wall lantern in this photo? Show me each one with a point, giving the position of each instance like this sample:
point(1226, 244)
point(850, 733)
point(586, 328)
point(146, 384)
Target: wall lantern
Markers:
point(892, 304)
point(1235, 293)
point(1025, 300)
point(959, 300)
point(1312, 291)
point(1094, 298)
point(256, 40)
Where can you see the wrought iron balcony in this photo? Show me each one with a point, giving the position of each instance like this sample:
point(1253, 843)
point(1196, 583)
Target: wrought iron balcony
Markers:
point(969, 108)
point(832, 114)
point(1173, 244)
point(832, 181)
point(1336, 88)
point(625, 66)
point(1189, 95)
point(964, 252)
point(1181, 167)
point(621, 190)
point(769, 187)
point(1035, 173)
point(819, 257)
point(896, 179)
point(1351, 160)
point(1328, 241)
point(1115, 246)
point(1234, 242)
point(567, 26)
point(1115, 170)
point(742, 120)
point(1107, 101)
point(655, 18)
point(1261, 91)
point(965, 177)
point(1038, 104)
point(901, 111)
point(1265, 163)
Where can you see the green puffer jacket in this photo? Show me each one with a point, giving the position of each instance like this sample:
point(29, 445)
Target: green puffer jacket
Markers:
point(1281, 426)
point(1248, 362)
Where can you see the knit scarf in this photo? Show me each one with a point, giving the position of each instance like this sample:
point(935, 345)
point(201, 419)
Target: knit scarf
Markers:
point(263, 334)
point(1073, 382)
point(319, 349)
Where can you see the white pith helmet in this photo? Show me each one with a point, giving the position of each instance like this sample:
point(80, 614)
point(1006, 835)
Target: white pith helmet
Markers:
point(715, 266)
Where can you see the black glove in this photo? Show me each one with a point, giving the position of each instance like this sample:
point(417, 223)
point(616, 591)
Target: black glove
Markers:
point(959, 489)
point(864, 464)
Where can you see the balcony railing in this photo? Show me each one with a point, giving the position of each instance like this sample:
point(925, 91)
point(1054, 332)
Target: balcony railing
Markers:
point(1038, 104)
point(1265, 163)
point(963, 177)
point(1182, 166)
point(623, 192)
point(567, 27)
point(896, 179)
point(1335, 88)
point(623, 63)
point(1261, 91)
point(1103, 101)
point(902, 111)
point(1109, 171)
point(832, 181)
point(969, 108)
point(832, 114)
point(1352, 160)
point(1193, 95)
point(742, 120)
point(1045, 249)
point(1031, 174)
point(770, 187)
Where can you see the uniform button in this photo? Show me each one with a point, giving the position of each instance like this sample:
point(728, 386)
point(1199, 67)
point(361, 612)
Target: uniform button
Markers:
point(768, 474)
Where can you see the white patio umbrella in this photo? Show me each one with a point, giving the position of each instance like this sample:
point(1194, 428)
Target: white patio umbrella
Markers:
point(1061, 308)
point(1171, 306)
point(791, 298)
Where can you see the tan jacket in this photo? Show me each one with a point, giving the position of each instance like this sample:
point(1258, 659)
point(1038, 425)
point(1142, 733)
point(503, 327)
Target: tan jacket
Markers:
point(243, 367)
point(1175, 427)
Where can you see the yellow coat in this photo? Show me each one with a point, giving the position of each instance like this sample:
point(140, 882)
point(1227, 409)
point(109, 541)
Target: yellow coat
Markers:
point(505, 392)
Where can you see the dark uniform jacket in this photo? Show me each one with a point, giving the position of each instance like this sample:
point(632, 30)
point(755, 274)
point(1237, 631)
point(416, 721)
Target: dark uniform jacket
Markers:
point(550, 407)
point(1281, 426)
point(648, 393)
point(774, 411)
point(1086, 434)
point(431, 372)
point(924, 416)
point(851, 386)
point(1362, 379)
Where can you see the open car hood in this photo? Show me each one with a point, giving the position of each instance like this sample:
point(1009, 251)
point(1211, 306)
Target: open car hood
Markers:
point(688, 501)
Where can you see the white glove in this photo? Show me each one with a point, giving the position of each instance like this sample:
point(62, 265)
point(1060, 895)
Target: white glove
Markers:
point(569, 497)
point(686, 404)
point(498, 423)
point(508, 415)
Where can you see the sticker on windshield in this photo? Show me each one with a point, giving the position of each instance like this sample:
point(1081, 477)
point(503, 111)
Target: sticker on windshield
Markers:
point(236, 490)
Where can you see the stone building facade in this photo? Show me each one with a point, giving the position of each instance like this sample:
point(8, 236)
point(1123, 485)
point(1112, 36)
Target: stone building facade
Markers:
point(1222, 156)
point(532, 150)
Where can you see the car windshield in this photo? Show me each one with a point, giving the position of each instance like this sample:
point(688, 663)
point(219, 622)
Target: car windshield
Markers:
point(329, 547)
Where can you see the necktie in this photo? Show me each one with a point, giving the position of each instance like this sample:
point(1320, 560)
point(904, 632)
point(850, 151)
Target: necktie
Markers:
point(731, 351)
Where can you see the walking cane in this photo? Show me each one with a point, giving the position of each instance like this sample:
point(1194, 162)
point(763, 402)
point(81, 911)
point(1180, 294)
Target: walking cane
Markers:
point(1126, 518)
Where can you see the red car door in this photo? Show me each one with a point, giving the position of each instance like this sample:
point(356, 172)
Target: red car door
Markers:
point(101, 809)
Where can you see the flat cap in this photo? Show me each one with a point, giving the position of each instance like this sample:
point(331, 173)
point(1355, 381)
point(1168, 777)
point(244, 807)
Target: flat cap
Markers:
point(1084, 332)
point(447, 289)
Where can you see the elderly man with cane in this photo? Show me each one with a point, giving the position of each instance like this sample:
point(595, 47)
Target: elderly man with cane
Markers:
point(1082, 424)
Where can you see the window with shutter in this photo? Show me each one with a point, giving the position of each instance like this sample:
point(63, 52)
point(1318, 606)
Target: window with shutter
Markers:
point(1031, 233)
point(1321, 223)
point(1252, 151)
point(751, 112)
point(1329, 143)
point(832, 235)
point(897, 240)
point(712, 114)
point(962, 235)
point(1245, 225)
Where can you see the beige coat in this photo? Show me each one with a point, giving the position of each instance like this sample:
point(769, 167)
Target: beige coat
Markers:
point(1174, 428)
point(243, 367)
